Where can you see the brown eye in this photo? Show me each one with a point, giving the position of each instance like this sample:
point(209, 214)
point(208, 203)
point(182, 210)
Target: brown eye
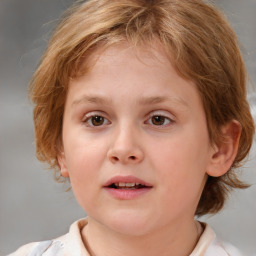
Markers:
point(158, 120)
point(97, 120)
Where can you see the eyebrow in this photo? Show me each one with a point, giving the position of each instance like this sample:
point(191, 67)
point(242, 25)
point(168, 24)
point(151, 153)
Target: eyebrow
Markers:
point(92, 99)
point(161, 99)
point(142, 101)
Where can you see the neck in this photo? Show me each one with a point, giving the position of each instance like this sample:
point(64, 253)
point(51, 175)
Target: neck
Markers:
point(172, 240)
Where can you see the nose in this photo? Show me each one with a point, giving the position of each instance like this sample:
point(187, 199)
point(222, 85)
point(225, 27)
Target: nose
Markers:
point(125, 147)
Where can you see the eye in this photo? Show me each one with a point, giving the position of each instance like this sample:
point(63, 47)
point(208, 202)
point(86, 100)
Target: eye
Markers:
point(159, 120)
point(95, 120)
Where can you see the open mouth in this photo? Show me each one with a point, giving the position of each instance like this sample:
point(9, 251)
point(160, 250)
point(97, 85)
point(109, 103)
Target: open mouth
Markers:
point(127, 185)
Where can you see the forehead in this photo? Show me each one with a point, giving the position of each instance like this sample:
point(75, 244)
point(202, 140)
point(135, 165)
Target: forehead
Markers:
point(106, 53)
point(126, 59)
point(145, 73)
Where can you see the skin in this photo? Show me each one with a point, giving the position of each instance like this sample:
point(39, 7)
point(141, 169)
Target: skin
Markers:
point(173, 155)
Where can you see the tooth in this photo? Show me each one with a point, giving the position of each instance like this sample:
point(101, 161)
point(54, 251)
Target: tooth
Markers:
point(137, 184)
point(130, 184)
point(121, 184)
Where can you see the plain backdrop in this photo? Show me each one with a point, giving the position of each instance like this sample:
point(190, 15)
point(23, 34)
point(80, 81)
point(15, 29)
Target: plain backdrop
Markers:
point(33, 206)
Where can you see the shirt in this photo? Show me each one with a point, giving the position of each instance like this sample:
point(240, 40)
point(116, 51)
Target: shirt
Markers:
point(72, 244)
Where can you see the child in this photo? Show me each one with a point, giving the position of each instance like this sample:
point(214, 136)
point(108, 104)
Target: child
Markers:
point(142, 105)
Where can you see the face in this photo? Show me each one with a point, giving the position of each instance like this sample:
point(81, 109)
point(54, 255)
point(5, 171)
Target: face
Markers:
point(135, 142)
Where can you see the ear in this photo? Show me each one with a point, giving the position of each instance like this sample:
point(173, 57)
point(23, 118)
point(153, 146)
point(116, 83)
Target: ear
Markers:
point(225, 151)
point(63, 165)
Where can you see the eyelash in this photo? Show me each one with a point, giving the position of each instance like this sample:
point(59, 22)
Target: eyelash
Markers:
point(169, 120)
point(89, 119)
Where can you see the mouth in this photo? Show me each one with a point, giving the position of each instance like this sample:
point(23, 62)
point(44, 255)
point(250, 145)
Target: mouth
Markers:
point(127, 187)
point(127, 182)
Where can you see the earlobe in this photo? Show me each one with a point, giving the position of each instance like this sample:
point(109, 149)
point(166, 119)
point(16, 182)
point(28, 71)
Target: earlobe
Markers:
point(63, 166)
point(225, 151)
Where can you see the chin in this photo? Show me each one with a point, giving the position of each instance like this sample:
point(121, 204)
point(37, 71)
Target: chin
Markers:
point(131, 224)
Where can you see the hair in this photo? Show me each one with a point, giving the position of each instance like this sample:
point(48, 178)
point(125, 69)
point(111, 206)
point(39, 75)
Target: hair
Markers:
point(201, 45)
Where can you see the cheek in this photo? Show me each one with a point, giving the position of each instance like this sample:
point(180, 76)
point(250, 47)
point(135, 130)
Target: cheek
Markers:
point(83, 152)
point(83, 160)
point(82, 165)
point(181, 163)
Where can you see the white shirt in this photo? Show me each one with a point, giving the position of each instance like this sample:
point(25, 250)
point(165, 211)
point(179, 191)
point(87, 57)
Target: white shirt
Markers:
point(72, 244)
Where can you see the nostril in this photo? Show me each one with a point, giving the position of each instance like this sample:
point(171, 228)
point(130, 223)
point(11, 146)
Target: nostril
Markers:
point(115, 158)
point(132, 157)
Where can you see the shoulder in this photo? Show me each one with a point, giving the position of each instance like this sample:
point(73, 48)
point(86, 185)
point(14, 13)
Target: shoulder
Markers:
point(52, 247)
point(69, 244)
point(210, 245)
point(218, 247)
point(24, 250)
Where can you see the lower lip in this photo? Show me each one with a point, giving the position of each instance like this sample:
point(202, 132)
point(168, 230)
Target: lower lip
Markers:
point(127, 194)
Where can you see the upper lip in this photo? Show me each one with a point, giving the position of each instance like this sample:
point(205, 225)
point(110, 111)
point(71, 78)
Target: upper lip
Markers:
point(126, 179)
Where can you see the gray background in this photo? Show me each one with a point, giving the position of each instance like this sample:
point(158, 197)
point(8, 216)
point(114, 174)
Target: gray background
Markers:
point(33, 206)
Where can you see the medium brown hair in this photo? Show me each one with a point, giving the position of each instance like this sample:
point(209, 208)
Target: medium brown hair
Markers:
point(197, 38)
